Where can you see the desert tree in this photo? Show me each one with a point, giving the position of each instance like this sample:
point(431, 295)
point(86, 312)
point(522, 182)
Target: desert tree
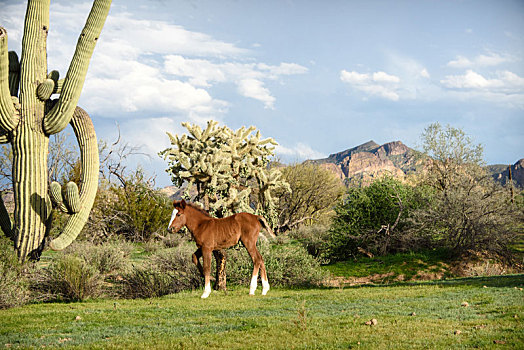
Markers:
point(468, 210)
point(314, 193)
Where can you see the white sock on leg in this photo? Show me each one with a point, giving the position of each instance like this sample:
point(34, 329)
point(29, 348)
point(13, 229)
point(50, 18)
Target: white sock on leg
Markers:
point(207, 291)
point(253, 285)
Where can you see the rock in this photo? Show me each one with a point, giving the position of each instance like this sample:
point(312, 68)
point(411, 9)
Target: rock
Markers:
point(78, 318)
point(372, 322)
point(464, 304)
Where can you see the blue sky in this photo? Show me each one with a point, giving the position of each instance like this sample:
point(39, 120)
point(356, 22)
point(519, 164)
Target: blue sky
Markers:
point(318, 76)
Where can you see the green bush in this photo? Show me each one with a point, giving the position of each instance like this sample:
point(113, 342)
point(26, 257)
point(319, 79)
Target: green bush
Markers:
point(287, 265)
point(14, 289)
point(374, 219)
point(165, 272)
point(132, 209)
point(68, 278)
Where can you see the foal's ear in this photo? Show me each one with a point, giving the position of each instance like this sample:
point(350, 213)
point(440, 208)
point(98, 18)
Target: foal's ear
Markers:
point(183, 204)
point(175, 202)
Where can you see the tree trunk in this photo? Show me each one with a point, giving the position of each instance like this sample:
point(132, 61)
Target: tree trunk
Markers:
point(220, 257)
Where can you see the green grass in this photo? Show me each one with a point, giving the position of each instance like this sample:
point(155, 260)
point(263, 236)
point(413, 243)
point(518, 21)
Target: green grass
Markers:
point(406, 264)
point(284, 319)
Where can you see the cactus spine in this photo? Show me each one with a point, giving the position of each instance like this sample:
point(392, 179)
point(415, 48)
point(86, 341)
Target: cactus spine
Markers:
point(28, 119)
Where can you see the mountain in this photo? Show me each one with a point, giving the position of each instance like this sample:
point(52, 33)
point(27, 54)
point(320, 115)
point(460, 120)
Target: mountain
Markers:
point(500, 173)
point(371, 160)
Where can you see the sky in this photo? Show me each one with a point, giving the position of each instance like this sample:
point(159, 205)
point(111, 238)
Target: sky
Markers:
point(317, 76)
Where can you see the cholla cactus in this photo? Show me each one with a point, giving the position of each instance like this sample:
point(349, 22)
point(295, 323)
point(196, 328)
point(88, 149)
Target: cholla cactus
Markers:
point(227, 168)
point(29, 118)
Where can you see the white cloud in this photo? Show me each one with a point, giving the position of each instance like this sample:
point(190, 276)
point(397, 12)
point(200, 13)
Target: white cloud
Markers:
point(504, 81)
point(382, 77)
point(248, 77)
point(378, 84)
point(503, 87)
point(298, 152)
point(489, 60)
point(354, 77)
point(255, 89)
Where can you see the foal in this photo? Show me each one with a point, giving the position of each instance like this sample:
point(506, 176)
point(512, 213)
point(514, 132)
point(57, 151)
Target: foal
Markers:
point(214, 234)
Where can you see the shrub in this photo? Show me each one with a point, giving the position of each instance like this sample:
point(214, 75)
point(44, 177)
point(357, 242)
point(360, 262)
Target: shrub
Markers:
point(165, 272)
point(287, 266)
point(14, 289)
point(374, 218)
point(68, 278)
point(132, 209)
point(313, 238)
point(109, 257)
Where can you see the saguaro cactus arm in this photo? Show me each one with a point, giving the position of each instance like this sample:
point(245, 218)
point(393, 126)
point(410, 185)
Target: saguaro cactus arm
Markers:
point(60, 115)
point(8, 113)
point(85, 133)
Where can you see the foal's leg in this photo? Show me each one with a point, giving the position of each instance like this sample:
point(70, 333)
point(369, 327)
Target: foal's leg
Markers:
point(196, 260)
point(206, 255)
point(257, 260)
point(263, 276)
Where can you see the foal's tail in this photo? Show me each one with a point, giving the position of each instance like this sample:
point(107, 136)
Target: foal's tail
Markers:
point(266, 226)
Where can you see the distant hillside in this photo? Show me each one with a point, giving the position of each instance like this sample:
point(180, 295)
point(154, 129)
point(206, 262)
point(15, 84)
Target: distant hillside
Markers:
point(371, 160)
point(500, 173)
point(365, 162)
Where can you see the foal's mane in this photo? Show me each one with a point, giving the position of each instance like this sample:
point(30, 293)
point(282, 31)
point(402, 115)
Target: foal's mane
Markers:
point(194, 206)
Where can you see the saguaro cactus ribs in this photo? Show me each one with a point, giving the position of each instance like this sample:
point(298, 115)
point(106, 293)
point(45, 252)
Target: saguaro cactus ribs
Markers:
point(29, 117)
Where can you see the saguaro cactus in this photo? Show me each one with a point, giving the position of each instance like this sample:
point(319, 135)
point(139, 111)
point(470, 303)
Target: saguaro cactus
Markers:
point(29, 118)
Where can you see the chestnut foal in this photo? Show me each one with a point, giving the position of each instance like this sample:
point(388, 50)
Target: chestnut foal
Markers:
point(213, 234)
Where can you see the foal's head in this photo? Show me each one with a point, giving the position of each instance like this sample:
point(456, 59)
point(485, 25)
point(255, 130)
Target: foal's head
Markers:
point(178, 218)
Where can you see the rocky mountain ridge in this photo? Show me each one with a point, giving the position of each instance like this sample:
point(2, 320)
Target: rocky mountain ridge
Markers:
point(370, 160)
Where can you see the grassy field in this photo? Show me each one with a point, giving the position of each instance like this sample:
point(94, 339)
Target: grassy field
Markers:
point(426, 315)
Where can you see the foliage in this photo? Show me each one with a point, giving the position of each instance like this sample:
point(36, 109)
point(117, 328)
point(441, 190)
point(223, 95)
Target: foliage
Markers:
point(468, 211)
point(314, 192)
point(165, 272)
point(132, 209)
point(286, 265)
point(374, 219)
point(13, 282)
point(313, 238)
point(228, 169)
point(69, 278)
point(112, 256)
